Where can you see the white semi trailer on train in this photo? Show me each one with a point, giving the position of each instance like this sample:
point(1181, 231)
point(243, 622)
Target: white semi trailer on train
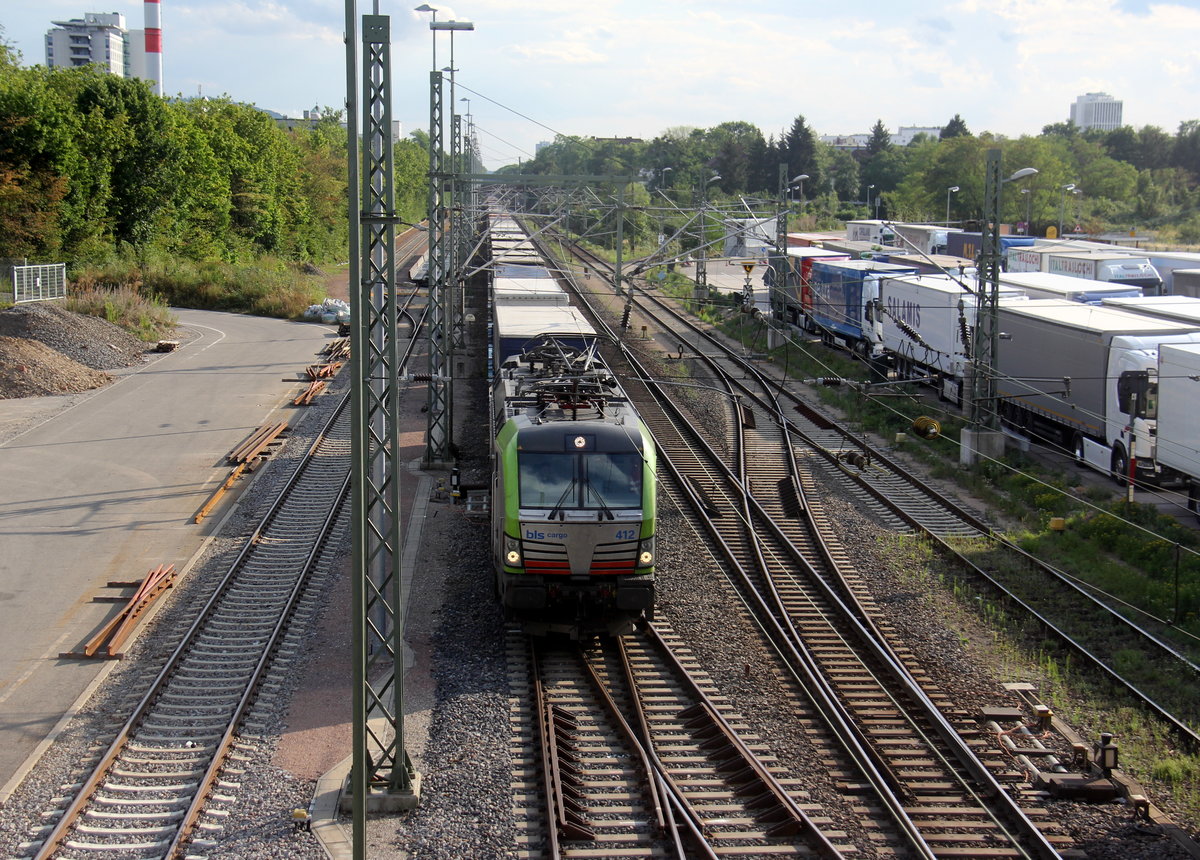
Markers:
point(1086, 377)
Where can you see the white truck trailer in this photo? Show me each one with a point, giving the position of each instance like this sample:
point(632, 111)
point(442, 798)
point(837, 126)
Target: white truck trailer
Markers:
point(923, 238)
point(1177, 442)
point(1185, 309)
point(1044, 285)
point(871, 230)
point(1085, 377)
point(934, 308)
point(1116, 268)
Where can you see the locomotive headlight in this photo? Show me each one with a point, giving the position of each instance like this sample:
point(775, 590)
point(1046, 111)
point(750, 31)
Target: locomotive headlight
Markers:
point(645, 553)
point(512, 551)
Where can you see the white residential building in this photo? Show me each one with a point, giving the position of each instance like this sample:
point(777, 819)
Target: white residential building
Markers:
point(1097, 110)
point(98, 37)
point(905, 134)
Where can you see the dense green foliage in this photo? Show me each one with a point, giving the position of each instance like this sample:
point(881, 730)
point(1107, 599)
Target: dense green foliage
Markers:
point(95, 168)
point(1126, 179)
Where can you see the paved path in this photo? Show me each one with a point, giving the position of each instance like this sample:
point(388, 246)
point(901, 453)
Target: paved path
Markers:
point(104, 486)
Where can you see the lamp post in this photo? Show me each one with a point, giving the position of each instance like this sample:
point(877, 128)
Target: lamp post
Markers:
point(425, 7)
point(1062, 202)
point(1027, 193)
point(662, 176)
point(799, 180)
point(869, 187)
point(949, 191)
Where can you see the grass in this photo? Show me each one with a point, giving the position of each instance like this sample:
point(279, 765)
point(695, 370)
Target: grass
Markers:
point(266, 287)
point(145, 315)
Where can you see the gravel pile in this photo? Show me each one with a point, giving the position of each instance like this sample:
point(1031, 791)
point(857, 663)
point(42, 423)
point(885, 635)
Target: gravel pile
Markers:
point(29, 368)
point(88, 340)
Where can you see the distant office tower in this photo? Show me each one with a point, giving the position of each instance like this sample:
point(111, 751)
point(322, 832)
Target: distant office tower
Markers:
point(1097, 110)
point(98, 37)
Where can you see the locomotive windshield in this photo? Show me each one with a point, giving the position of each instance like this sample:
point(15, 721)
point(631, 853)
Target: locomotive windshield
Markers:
point(596, 481)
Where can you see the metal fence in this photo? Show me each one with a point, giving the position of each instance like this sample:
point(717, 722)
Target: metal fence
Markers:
point(38, 283)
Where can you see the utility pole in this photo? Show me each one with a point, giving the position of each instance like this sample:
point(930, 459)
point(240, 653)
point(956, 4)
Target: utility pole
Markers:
point(381, 776)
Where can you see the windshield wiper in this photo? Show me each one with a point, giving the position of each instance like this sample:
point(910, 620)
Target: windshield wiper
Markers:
point(557, 509)
point(604, 508)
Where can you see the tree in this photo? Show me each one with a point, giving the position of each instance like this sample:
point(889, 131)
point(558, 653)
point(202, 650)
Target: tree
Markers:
point(1061, 129)
point(1187, 147)
point(957, 127)
point(800, 153)
point(880, 139)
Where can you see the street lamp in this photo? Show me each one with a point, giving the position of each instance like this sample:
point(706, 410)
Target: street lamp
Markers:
point(799, 180)
point(662, 176)
point(869, 187)
point(1062, 201)
point(1028, 195)
point(949, 191)
point(425, 7)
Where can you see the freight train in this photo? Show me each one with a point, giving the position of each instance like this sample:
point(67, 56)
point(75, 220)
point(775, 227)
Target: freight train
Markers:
point(573, 466)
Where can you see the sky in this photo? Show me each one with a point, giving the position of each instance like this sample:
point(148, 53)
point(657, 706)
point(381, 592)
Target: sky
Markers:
point(634, 68)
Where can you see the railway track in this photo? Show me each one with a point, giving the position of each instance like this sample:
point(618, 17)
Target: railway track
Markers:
point(157, 791)
point(927, 782)
point(1080, 619)
point(634, 753)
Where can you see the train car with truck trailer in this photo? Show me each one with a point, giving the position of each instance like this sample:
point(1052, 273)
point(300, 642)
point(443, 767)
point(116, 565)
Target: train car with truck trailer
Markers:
point(934, 264)
point(797, 290)
point(573, 508)
point(1114, 268)
point(1177, 441)
point(1084, 377)
point(844, 307)
point(1184, 309)
point(871, 230)
point(969, 245)
point(922, 238)
point(927, 322)
point(1044, 285)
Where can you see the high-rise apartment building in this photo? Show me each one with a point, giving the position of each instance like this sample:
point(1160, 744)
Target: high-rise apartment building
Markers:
point(97, 37)
point(1097, 110)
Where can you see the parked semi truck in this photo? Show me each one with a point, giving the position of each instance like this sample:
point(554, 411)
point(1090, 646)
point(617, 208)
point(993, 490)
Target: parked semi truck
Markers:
point(1177, 441)
point(922, 238)
point(797, 291)
point(1084, 377)
point(923, 322)
point(871, 230)
point(1094, 264)
point(843, 302)
point(1185, 309)
point(969, 245)
point(1185, 282)
point(1045, 285)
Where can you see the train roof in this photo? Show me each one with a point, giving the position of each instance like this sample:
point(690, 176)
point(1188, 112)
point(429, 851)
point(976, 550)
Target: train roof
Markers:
point(519, 270)
point(540, 290)
point(528, 320)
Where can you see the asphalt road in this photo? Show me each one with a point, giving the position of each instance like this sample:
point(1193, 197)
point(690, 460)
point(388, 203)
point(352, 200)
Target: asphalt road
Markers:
point(104, 486)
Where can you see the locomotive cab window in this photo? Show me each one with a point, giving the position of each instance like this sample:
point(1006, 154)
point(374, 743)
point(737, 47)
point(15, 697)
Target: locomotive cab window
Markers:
point(590, 481)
